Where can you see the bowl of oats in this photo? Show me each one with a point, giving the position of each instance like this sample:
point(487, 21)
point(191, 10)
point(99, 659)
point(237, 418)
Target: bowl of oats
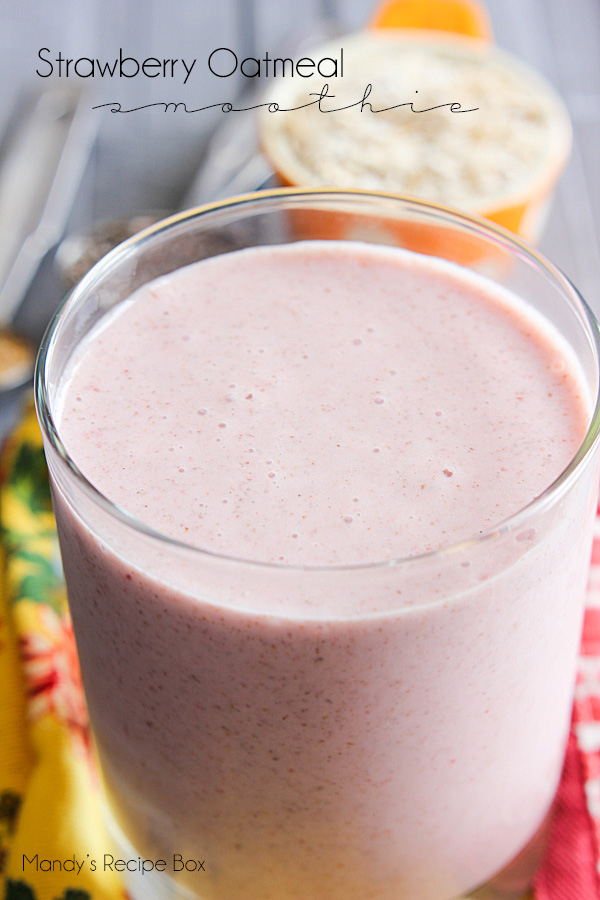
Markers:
point(435, 115)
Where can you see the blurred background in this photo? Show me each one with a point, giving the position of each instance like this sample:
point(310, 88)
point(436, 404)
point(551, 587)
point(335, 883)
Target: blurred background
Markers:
point(148, 160)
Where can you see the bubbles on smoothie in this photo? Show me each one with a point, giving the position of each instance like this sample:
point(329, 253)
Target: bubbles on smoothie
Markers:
point(528, 535)
point(348, 519)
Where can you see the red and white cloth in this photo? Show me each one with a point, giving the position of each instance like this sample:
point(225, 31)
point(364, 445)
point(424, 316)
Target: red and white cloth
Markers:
point(571, 868)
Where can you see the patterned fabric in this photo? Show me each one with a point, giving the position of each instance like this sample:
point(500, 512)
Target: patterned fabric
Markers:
point(48, 780)
point(572, 865)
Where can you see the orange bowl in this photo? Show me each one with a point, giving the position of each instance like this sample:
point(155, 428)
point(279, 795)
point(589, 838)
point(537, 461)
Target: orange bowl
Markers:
point(502, 163)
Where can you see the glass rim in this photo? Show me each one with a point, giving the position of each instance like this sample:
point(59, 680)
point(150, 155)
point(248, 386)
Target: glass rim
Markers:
point(474, 223)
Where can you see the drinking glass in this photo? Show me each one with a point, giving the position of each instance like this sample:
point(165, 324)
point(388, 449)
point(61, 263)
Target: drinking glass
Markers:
point(409, 753)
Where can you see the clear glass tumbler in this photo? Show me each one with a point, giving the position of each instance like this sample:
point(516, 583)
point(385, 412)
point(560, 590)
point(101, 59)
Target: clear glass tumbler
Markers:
point(420, 759)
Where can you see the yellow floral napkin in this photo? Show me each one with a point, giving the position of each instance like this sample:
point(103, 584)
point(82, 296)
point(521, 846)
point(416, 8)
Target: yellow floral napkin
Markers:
point(52, 839)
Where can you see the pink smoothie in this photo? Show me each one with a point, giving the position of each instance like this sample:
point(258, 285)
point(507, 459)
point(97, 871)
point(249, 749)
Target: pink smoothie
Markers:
point(392, 732)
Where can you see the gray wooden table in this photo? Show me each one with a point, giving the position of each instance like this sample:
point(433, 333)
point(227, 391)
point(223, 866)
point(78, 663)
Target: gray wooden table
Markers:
point(147, 164)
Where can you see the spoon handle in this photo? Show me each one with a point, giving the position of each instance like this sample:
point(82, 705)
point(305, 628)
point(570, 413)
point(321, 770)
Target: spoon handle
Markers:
point(43, 155)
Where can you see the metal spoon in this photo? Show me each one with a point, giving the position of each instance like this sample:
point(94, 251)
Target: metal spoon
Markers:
point(43, 154)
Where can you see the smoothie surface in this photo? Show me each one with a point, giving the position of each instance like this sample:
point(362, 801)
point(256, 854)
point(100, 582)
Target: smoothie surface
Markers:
point(322, 403)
